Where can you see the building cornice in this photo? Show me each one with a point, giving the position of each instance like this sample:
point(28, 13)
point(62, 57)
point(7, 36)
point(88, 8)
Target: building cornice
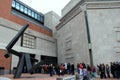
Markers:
point(88, 4)
point(72, 13)
point(102, 4)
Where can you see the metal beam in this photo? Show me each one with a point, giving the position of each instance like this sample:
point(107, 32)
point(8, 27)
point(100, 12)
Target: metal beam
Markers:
point(15, 39)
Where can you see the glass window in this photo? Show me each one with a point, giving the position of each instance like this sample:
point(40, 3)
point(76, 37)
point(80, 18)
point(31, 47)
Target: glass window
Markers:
point(42, 19)
point(17, 5)
point(25, 10)
point(28, 41)
point(38, 18)
point(33, 14)
point(21, 8)
point(29, 12)
point(13, 3)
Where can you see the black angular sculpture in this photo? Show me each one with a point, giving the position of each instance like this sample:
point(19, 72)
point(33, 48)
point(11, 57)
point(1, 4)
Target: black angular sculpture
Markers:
point(14, 40)
point(24, 58)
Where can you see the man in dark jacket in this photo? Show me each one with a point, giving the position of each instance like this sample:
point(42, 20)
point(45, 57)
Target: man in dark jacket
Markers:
point(72, 69)
point(51, 70)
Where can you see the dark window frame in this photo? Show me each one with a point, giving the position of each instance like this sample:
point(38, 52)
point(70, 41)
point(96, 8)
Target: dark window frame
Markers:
point(28, 41)
point(24, 9)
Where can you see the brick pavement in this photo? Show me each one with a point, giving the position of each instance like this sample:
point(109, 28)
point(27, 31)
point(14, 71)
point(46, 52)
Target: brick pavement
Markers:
point(41, 77)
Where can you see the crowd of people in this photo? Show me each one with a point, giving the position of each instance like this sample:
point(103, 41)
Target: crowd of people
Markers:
point(86, 72)
point(59, 69)
point(111, 70)
point(105, 70)
point(115, 69)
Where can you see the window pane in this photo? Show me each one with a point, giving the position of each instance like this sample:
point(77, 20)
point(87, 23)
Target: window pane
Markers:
point(42, 19)
point(33, 14)
point(13, 3)
point(17, 6)
point(21, 8)
point(38, 18)
point(28, 41)
point(29, 12)
point(25, 10)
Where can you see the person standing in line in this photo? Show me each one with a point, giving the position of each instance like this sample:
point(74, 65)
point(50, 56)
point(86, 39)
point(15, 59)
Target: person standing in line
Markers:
point(45, 68)
point(94, 72)
point(112, 67)
point(81, 71)
point(103, 75)
point(85, 73)
point(119, 70)
point(78, 68)
point(65, 68)
point(89, 69)
point(62, 69)
point(72, 69)
point(69, 68)
point(108, 70)
point(58, 70)
point(51, 69)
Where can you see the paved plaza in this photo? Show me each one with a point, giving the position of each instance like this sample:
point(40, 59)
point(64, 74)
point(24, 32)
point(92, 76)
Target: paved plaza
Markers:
point(42, 77)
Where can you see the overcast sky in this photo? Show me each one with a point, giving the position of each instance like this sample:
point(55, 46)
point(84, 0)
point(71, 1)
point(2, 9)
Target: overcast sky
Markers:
point(45, 6)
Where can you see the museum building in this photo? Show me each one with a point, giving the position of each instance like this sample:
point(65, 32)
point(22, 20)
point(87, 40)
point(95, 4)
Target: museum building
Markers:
point(37, 39)
point(88, 31)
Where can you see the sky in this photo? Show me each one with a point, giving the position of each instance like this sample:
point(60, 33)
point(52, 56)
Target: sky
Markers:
point(45, 6)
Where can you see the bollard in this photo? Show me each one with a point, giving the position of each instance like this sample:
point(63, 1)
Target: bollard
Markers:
point(79, 77)
point(67, 78)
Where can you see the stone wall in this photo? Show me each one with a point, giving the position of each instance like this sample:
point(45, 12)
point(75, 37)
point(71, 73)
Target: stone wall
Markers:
point(72, 40)
point(103, 21)
point(103, 24)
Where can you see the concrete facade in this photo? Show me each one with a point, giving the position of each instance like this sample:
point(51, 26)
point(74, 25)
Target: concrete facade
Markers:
point(90, 25)
point(102, 19)
point(72, 38)
point(38, 40)
point(69, 6)
point(45, 45)
point(51, 19)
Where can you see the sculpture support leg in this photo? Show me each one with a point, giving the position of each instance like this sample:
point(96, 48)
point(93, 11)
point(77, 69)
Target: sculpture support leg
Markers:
point(28, 62)
point(20, 65)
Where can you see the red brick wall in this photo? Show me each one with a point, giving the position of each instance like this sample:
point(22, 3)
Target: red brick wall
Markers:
point(4, 62)
point(5, 12)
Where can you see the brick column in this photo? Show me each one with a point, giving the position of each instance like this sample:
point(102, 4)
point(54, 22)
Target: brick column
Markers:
point(5, 62)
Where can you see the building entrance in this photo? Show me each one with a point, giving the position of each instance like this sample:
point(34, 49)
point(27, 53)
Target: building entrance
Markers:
point(49, 59)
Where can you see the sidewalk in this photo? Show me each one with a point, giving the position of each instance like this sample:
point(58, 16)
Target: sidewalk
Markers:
point(41, 77)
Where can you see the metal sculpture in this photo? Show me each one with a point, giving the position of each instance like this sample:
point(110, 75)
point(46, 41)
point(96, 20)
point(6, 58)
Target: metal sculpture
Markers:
point(24, 58)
